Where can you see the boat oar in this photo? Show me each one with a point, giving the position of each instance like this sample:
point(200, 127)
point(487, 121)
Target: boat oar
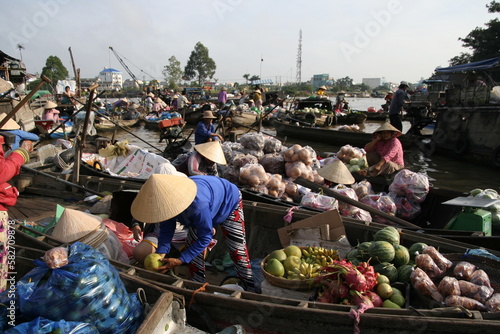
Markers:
point(329, 192)
point(56, 178)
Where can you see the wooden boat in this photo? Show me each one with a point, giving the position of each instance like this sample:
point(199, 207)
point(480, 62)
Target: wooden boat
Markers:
point(332, 137)
point(104, 125)
point(261, 313)
point(351, 118)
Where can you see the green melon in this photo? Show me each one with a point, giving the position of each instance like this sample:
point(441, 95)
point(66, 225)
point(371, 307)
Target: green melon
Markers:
point(416, 248)
point(401, 255)
point(404, 273)
point(364, 251)
point(382, 251)
point(389, 234)
point(387, 269)
point(352, 257)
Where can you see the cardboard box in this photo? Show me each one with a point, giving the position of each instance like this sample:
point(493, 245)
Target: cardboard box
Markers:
point(331, 218)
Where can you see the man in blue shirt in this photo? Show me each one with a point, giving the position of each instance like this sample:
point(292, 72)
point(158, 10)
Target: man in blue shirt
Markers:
point(200, 203)
point(396, 106)
point(205, 130)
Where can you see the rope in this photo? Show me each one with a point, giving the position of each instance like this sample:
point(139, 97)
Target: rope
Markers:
point(201, 289)
point(60, 163)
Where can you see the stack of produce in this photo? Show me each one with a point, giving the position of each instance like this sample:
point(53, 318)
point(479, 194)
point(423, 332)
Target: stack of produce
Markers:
point(408, 190)
point(275, 185)
point(294, 263)
point(495, 208)
point(253, 175)
point(87, 289)
point(362, 188)
point(388, 256)
point(348, 210)
point(348, 152)
point(461, 285)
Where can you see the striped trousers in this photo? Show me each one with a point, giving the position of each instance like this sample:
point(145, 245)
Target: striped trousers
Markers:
point(233, 229)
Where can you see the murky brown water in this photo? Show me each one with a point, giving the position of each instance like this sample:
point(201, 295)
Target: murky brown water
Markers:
point(443, 172)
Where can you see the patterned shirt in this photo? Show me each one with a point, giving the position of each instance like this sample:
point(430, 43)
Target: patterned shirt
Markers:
point(390, 150)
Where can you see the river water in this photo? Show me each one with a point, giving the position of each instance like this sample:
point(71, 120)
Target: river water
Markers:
point(442, 172)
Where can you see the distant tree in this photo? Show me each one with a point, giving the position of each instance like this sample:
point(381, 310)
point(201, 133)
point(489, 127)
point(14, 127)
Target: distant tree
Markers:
point(246, 76)
point(254, 77)
point(199, 66)
point(54, 70)
point(172, 72)
point(483, 42)
point(344, 83)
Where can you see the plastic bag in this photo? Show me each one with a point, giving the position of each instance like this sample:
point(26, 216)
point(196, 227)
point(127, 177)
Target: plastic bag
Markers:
point(41, 325)
point(252, 141)
point(413, 186)
point(272, 145)
point(346, 209)
point(363, 188)
point(464, 270)
point(317, 201)
point(124, 234)
point(380, 202)
point(88, 289)
point(406, 209)
point(273, 163)
point(254, 175)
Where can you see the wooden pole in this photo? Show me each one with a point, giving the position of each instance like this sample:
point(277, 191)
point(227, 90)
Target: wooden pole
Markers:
point(329, 192)
point(23, 101)
point(77, 74)
point(80, 144)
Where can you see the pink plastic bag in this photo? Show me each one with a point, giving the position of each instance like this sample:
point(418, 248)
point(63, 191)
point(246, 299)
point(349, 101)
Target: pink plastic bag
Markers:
point(124, 234)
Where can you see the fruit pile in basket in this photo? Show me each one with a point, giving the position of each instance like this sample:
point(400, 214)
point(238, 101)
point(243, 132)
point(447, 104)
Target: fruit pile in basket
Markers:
point(295, 263)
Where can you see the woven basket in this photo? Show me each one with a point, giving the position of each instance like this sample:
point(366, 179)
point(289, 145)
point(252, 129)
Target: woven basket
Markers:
point(283, 282)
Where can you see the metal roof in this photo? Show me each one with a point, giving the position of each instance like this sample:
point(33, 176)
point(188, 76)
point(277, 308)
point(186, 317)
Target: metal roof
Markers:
point(261, 82)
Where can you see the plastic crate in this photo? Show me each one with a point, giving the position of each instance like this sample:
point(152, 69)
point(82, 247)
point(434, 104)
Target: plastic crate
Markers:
point(166, 123)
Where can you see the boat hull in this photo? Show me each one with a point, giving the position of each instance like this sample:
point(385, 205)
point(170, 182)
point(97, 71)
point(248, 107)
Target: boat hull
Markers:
point(332, 137)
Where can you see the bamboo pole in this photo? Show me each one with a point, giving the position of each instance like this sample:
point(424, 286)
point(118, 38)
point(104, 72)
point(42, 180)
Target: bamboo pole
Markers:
point(23, 101)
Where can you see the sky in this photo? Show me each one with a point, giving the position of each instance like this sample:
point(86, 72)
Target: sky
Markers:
point(394, 39)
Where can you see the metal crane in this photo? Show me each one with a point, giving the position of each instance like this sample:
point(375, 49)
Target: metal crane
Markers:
point(125, 66)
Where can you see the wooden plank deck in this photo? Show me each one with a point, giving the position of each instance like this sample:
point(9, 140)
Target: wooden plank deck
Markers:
point(29, 207)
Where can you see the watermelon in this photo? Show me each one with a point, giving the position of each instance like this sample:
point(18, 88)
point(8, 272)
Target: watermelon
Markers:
point(404, 273)
point(401, 255)
point(387, 269)
point(389, 234)
point(382, 251)
point(352, 257)
point(416, 248)
point(364, 251)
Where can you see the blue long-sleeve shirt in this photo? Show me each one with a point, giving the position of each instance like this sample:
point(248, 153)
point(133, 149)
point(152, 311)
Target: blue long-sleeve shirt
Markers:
point(202, 133)
point(22, 135)
point(215, 200)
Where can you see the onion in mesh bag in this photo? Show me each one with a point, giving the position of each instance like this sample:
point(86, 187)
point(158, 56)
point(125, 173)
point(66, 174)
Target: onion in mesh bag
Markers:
point(252, 141)
point(241, 160)
point(273, 163)
point(272, 145)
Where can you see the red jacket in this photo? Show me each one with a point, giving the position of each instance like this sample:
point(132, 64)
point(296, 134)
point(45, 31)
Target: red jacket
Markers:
point(9, 167)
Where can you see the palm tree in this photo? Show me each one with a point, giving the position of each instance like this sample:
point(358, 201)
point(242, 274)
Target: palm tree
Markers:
point(246, 76)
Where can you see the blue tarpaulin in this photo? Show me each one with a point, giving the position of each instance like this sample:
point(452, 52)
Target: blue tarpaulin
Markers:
point(478, 65)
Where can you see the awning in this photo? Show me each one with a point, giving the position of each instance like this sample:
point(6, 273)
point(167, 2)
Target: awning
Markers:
point(478, 65)
point(261, 82)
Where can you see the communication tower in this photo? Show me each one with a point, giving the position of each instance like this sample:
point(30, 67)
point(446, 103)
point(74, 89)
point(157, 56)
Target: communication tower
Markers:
point(299, 59)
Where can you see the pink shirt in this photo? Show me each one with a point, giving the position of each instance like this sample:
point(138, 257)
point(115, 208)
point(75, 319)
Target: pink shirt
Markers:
point(390, 150)
point(51, 114)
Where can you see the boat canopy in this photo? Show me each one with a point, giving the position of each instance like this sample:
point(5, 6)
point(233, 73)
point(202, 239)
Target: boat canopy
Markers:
point(478, 65)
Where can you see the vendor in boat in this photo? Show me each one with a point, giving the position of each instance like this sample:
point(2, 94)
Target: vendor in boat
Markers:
point(149, 102)
point(205, 130)
point(202, 161)
point(384, 153)
point(159, 106)
point(200, 203)
point(397, 106)
point(50, 112)
point(9, 167)
point(222, 97)
point(321, 91)
point(335, 173)
point(132, 112)
point(23, 138)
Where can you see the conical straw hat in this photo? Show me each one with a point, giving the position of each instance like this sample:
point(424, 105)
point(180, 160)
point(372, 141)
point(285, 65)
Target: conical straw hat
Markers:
point(10, 125)
point(388, 127)
point(163, 197)
point(96, 238)
point(336, 172)
point(158, 100)
point(212, 151)
point(74, 225)
point(4, 85)
point(208, 114)
point(50, 105)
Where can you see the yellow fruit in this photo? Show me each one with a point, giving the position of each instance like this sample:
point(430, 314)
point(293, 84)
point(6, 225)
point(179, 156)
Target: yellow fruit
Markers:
point(275, 268)
point(383, 279)
point(292, 262)
point(292, 250)
point(384, 290)
point(153, 261)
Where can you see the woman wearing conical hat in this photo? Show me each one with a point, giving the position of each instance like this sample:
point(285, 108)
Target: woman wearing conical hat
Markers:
point(202, 161)
point(50, 112)
point(385, 152)
point(201, 203)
